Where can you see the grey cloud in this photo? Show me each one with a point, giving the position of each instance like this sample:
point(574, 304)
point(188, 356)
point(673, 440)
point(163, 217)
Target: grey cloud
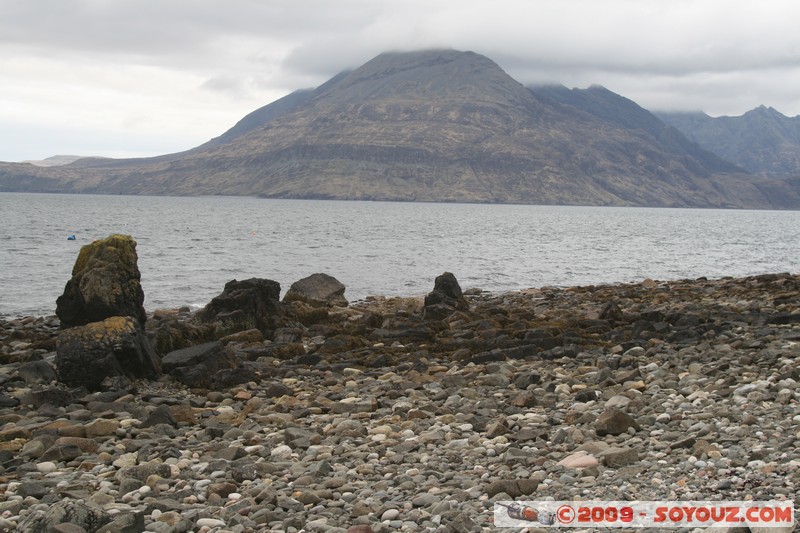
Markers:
point(715, 55)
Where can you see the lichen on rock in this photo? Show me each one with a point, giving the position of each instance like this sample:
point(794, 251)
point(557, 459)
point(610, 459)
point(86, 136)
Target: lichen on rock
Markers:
point(105, 282)
point(117, 346)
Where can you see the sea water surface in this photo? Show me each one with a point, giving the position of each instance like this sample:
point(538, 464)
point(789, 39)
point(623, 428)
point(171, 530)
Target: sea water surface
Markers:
point(189, 248)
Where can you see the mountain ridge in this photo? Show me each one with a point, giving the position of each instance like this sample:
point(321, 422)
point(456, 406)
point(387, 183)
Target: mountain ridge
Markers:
point(439, 125)
point(763, 141)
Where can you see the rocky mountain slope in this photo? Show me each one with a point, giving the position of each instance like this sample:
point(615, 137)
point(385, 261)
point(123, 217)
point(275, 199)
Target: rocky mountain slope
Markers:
point(435, 126)
point(763, 141)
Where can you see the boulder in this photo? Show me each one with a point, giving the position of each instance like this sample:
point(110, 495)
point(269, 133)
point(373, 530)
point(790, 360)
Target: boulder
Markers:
point(65, 512)
point(173, 331)
point(105, 283)
point(243, 305)
point(445, 298)
point(37, 372)
point(197, 366)
point(117, 346)
point(317, 290)
point(614, 422)
point(53, 396)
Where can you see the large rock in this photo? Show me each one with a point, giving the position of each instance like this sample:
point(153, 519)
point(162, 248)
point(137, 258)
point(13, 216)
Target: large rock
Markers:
point(117, 346)
point(105, 282)
point(172, 330)
point(614, 422)
point(445, 298)
point(197, 366)
point(65, 512)
point(317, 290)
point(243, 305)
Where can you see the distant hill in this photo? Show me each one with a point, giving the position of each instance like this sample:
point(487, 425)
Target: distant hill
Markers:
point(54, 161)
point(763, 141)
point(437, 125)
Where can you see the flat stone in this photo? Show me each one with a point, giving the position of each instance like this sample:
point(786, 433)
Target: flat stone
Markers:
point(618, 457)
point(579, 460)
point(614, 422)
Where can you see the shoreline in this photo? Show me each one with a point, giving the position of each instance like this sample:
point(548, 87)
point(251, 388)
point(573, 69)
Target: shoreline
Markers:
point(470, 291)
point(376, 417)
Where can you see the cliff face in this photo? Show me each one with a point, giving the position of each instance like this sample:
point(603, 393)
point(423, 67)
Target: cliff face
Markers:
point(434, 126)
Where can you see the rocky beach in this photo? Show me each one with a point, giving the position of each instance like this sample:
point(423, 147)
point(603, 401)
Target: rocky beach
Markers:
point(312, 414)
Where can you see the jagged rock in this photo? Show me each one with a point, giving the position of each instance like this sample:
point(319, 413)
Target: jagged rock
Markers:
point(8, 401)
point(65, 512)
point(54, 396)
point(243, 305)
point(117, 346)
point(611, 311)
point(62, 453)
point(614, 422)
point(124, 523)
point(317, 290)
point(171, 333)
point(105, 282)
point(617, 457)
point(513, 487)
point(197, 366)
point(161, 415)
point(37, 372)
point(143, 471)
point(445, 298)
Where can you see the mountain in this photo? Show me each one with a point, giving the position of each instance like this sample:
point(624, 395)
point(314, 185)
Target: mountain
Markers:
point(437, 125)
point(54, 161)
point(763, 141)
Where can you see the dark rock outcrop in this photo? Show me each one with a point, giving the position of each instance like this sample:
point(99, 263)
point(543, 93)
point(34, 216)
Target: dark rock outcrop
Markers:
point(445, 298)
point(117, 346)
point(317, 290)
point(105, 282)
point(172, 330)
point(243, 305)
point(197, 366)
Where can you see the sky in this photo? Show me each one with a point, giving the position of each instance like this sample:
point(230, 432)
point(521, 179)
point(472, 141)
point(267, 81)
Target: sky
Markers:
point(136, 78)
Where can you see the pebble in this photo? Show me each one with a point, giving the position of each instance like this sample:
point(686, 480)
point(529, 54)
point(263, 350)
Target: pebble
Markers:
point(390, 514)
point(46, 467)
point(419, 426)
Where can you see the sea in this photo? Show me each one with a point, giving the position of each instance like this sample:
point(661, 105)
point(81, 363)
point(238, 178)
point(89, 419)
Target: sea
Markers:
point(189, 247)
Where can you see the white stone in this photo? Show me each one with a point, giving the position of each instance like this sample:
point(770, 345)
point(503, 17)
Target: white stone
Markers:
point(281, 452)
point(210, 522)
point(382, 429)
point(390, 514)
point(46, 467)
point(579, 460)
point(126, 459)
point(619, 401)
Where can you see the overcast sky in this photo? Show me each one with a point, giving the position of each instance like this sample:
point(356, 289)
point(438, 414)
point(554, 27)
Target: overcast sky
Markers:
point(146, 77)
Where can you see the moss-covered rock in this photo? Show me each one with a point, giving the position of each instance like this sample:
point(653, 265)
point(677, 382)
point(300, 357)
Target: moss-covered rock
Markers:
point(117, 346)
point(105, 282)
